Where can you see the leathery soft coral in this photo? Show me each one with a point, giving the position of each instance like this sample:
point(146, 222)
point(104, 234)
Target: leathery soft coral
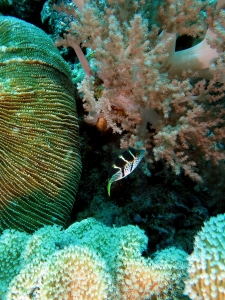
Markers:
point(207, 262)
point(172, 102)
point(90, 261)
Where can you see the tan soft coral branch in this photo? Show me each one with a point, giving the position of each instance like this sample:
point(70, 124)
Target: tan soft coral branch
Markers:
point(69, 41)
point(194, 58)
point(197, 58)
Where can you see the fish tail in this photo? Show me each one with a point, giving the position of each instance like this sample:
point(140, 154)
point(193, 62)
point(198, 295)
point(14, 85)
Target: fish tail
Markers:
point(109, 186)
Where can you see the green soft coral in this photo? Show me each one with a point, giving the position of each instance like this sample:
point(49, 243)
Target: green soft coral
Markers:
point(89, 261)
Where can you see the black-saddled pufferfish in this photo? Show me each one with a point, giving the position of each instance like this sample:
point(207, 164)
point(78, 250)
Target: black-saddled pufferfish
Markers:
point(124, 164)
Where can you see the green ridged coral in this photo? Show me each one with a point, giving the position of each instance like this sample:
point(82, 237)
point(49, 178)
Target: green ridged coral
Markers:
point(39, 142)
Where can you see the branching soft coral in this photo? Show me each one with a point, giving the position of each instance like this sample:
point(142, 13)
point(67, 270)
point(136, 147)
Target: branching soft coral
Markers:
point(146, 85)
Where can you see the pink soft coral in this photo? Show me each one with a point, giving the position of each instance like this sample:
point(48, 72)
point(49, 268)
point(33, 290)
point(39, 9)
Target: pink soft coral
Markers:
point(147, 85)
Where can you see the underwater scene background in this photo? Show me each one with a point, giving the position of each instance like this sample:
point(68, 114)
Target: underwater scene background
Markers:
point(112, 141)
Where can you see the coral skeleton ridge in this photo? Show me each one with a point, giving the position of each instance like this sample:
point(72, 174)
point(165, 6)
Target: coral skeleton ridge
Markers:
point(39, 143)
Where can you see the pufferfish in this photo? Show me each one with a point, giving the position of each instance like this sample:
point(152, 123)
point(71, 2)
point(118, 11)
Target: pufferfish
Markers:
point(124, 164)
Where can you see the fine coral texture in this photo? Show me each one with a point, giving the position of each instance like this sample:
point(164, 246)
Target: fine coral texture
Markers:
point(206, 263)
point(39, 143)
point(88, 261)
point(153, 96)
